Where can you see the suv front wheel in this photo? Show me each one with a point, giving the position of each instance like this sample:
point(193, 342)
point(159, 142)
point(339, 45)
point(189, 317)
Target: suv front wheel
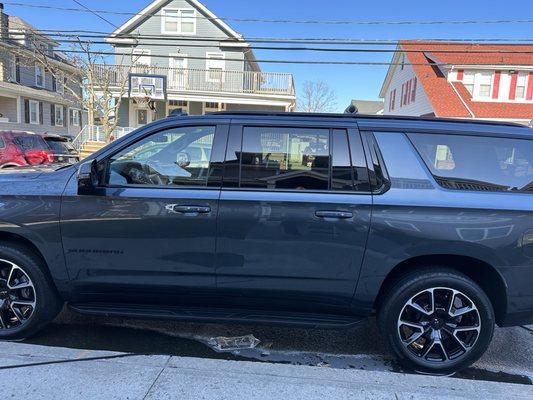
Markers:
point(28, 299)
point(436, 321)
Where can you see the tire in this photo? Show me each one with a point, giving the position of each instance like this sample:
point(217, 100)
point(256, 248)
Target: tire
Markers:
point(442, 339)
point(19, 321)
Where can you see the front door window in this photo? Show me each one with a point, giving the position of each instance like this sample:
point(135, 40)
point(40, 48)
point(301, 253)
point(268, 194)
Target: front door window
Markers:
point(142, 117)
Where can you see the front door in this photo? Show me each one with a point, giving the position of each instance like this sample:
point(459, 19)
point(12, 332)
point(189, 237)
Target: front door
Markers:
point(147, 235)
point(142, 115)
point(293, 218)
point(178, 74)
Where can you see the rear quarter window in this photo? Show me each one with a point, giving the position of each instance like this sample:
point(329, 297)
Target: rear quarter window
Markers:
point(477, 163)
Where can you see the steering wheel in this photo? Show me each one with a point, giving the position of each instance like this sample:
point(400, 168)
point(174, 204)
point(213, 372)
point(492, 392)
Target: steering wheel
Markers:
point(141, 177)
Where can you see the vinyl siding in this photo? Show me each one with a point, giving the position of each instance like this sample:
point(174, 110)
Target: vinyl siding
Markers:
point(421, 105)
point(204, 28)
point(8, 109)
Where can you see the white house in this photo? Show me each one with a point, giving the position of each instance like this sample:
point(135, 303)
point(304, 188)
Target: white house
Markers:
point(478, 81)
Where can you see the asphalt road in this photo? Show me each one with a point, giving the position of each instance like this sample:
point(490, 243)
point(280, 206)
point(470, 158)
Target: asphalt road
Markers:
point(509, 358)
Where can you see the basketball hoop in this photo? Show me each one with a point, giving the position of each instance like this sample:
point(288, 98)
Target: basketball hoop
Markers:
point(143, 101)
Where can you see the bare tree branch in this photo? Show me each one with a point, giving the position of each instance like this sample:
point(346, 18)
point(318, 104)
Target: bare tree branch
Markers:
point(317, 97)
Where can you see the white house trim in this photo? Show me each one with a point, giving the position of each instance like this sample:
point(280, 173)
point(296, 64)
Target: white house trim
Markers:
point(179, 21)
point(157, 4)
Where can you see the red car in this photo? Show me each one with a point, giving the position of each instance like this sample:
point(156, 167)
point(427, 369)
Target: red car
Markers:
point(19, 149)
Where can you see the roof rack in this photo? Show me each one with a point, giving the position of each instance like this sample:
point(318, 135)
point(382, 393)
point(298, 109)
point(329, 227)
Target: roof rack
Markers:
point(361, 116)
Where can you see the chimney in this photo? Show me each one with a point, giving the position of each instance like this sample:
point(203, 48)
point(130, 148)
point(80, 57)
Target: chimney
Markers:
point(4, 24)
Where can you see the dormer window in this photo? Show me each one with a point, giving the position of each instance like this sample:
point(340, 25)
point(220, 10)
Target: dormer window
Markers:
point(179, 21)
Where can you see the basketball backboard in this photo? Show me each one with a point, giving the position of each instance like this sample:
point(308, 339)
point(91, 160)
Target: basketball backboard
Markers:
point(153, 87)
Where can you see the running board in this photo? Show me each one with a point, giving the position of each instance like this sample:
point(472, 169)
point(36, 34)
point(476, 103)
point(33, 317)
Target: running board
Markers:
point(214, 315)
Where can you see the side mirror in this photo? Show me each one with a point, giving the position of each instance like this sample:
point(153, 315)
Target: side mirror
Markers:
point(87, 177)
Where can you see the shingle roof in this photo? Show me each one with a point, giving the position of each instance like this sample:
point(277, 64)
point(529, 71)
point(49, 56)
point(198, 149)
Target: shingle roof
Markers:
point(453, 100)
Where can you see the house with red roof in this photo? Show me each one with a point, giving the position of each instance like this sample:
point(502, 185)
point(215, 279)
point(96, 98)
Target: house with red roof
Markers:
point(460, 80)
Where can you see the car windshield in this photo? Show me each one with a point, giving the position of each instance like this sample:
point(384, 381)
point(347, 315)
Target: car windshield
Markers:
point(30, 142)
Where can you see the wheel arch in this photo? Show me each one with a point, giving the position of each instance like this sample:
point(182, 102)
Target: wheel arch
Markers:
point(9, 237)
point(481, 272)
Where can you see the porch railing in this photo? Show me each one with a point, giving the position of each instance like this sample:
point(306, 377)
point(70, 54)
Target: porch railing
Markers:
point(204, 80)
point(95, 133)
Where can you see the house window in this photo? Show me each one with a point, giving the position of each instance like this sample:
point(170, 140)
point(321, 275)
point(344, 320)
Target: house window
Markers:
point(39, 75)
point(75, 117)
point(34, 112)
point(521, 85)
point(215, 66)
point(210, 107)
point(59, 116)
point(485, 84)
point(468, 81)
point(179, 21)
point(60, 84)
point(13, 69)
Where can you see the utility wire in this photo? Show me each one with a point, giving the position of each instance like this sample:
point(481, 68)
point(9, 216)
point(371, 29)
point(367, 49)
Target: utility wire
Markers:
point(272, 61)
point(315, 49)
point(325, 41)
point(95, 13)
point(280, 21)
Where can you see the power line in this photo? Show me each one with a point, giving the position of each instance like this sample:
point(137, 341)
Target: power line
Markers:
point(95, 13)
point(318, 49)
point(337, 41)
point(277, 61)
point(281, 21)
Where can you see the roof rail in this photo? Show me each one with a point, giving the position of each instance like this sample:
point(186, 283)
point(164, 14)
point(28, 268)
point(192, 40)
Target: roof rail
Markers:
point(361, 116)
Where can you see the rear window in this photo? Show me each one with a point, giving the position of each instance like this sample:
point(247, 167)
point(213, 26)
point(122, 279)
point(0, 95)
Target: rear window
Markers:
point(31, 142)
point(60, 146)
point(477, 163)
point(2, 143)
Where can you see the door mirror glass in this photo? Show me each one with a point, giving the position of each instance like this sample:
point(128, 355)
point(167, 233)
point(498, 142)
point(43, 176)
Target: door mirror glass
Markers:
point(87, 177)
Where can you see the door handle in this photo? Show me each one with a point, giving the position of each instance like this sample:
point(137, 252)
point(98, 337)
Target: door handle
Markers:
point(334, 214)
point(183, 209)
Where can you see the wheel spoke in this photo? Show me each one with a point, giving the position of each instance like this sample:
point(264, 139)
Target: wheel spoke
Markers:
point(467, 329)
point(418, 308)
point(411, 325)
point(462, 311)
point(429, 347)
point(446, 358)
point(23, 303)
point(22, 285)
point(2, 324)
point(17, 313)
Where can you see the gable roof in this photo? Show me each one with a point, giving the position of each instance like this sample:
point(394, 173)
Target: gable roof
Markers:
point(451, 99)
point(156, 5)
point(17, 24)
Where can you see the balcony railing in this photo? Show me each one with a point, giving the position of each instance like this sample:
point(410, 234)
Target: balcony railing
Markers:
point(204, 80)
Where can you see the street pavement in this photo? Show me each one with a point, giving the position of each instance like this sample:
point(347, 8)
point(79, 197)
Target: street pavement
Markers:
point(94, 357)
point(43, 372)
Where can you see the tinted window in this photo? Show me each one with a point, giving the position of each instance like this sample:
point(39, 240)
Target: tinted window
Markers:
point(30, 142)
point(285, 158)
point(178, 156)
point(2, 143)
point(478, 163)
point(60, 146)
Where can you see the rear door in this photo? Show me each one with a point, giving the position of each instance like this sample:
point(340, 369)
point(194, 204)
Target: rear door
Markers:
point(294, 216)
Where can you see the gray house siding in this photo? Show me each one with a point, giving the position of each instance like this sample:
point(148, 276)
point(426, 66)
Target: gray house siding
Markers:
point(8, 109)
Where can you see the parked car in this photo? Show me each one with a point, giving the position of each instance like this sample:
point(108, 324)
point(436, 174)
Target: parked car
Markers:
point(62, 149)
point(18, 149)
point(299, 219)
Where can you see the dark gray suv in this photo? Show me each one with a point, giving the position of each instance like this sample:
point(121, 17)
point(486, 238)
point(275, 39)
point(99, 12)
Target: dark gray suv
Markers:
point(298, 219)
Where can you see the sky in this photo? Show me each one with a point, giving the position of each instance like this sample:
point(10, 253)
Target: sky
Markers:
point(349, 82)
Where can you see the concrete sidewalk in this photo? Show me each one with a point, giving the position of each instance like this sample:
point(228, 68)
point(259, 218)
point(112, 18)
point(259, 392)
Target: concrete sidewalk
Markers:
point(39, 372)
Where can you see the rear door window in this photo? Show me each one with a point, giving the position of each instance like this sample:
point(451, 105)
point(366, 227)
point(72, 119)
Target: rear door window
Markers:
point(288, 158)
point(477, 163)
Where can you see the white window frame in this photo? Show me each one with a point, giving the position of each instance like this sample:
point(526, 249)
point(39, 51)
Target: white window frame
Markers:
point(39, 68)
point(76, 117)
point(13, 68)
point(479, 82)
point(37, 111)
point(60, 83)
point(221, 58)
point(61, 110)
point(521, 81)
point(179, 30)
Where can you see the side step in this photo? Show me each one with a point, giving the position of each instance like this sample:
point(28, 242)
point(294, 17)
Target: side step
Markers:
point(217, 315)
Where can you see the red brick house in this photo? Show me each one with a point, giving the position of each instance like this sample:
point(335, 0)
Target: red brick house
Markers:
point(460, 80)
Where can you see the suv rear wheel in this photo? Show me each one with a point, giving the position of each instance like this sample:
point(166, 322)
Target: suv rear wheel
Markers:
point(28, 299)
point(436, 321)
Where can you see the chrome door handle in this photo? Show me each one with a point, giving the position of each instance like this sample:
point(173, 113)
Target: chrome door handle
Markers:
point(334, 214)
point(184, 209)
